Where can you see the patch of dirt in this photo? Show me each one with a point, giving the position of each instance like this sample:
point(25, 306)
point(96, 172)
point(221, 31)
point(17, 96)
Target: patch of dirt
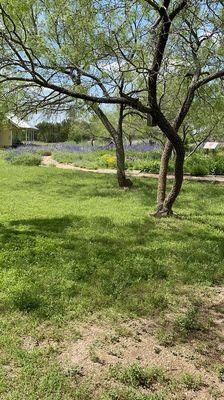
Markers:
point(87, 350)
point(29, 343)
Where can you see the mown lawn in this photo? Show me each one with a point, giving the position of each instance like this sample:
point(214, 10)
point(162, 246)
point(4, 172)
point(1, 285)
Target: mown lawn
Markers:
point(73, 245)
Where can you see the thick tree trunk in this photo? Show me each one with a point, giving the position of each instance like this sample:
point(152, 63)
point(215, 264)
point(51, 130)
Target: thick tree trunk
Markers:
point(165, 208)
point(161, 190)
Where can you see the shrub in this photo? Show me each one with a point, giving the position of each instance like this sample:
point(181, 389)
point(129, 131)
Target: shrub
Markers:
point(217, 167)
point(144, 165)
point(151, 166)
point(198, 165)
point(16, 158)
point(43, 152)
point(147, 165)
point(155, 154)
point(16, 141)
point(108, 160)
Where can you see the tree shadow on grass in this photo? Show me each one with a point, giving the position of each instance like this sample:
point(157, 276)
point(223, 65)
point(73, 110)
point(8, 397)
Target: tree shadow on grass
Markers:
point(80, 264)
point(43, 225)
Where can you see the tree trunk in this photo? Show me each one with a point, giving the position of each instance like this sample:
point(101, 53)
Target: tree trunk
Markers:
point(165, 208)
point(161, 190)
point(117, 135)
point(123, 182)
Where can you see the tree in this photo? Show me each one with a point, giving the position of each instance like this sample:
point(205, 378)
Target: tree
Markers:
point(147, 42)
point(53, 132)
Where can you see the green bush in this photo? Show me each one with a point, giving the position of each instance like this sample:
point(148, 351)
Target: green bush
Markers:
point(15, 158)
point(201, 164)
point(108, 161)
point(151, 166)
point(217, 166)
point(198, 165)
point(43, 152)
point(155, 154)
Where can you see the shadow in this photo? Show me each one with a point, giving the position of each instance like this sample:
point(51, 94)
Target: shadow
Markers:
point(43, 225)
point(75, 244)
point(82, 264)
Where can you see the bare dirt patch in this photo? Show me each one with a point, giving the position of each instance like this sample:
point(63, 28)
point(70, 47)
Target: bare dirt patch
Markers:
point(103, 345)
point(193, 367)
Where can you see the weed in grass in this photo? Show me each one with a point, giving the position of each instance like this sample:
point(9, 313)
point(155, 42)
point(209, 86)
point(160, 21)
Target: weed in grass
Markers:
point(191, 382)
point(94, 356)
point(75, 372)
point(114, 338)
point(200, 348)
point(215, 393)
point(83, 392)
point(183, 326)
point(130, 394)
point(137, 376)
point(165, 338)
point(190, 322)
point(220, 370)
point(123, 331)
point(76, 336)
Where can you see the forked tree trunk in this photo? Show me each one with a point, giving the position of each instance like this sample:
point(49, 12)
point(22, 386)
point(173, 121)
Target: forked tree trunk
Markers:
point(165, 203)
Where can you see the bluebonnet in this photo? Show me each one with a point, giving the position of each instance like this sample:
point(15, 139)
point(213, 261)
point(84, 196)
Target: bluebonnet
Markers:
point(32, 148)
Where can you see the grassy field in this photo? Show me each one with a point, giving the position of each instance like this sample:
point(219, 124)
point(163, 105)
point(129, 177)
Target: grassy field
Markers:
point(81, 259)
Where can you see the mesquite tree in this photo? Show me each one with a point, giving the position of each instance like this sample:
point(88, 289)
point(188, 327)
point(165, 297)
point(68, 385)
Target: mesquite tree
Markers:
point(65, 48)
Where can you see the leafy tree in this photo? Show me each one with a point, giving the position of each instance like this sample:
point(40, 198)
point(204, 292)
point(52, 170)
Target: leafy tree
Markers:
point(53, 132)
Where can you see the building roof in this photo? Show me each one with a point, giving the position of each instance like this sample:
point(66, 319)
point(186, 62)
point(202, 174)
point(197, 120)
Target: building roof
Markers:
point(20, 123)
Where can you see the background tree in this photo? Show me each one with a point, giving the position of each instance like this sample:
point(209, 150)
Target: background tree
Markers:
point(53, 132)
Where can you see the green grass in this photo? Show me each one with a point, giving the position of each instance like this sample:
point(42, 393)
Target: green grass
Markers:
point(73, 244)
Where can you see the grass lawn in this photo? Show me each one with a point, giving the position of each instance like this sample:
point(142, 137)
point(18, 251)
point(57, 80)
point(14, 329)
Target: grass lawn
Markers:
point(80, 259)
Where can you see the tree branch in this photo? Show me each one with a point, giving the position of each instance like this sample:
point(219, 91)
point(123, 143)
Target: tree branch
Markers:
point(154, 5)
